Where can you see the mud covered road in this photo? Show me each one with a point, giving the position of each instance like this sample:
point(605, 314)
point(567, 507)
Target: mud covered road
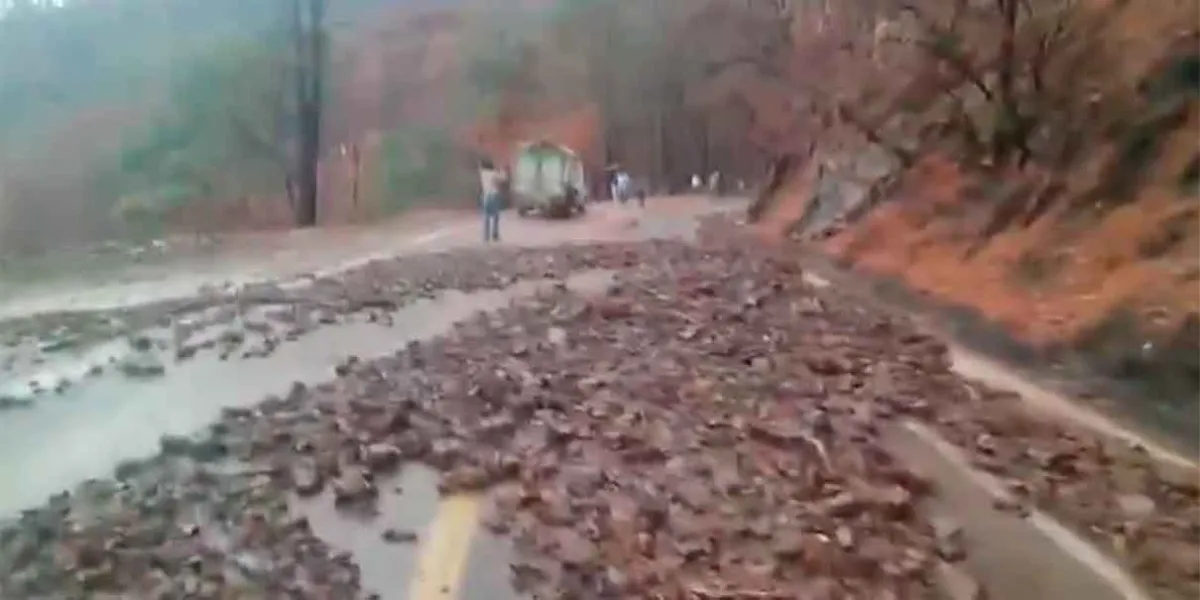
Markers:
point(684, 417)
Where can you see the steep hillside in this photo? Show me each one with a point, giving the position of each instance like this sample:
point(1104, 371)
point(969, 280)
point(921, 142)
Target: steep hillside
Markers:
point(1100, 260)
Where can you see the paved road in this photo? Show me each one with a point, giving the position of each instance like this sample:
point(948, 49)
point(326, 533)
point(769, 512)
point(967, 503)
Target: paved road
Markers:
point(91, 427)
point(292, 254)
point(95, 424)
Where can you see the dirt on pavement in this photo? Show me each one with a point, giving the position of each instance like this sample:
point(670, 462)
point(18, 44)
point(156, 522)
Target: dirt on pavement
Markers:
point(708, 426)
point(182, 270)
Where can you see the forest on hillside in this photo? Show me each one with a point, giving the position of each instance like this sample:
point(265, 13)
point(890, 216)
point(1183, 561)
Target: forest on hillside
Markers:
point(131, 115)
point(115, 112)
point(121, 113)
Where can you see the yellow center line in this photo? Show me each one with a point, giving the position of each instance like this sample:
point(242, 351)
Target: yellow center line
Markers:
point(445, 549)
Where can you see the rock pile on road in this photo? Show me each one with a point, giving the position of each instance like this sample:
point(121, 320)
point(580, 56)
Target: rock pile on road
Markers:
point(171, 527)
point(253, 321)
point(709, 427)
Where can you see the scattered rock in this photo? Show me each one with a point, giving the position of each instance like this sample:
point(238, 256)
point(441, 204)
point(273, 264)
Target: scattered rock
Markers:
point(392, 535)
point(8, 402)
point(686, 432)
point(141, 343)
point(186, 352)
point(1136, 507)
point(142, 364)
point(307, 478)
point(353, 485)
point(948, 535)
point(381, 457)
point(956, 584)
point(57, 343)
point(234, 335)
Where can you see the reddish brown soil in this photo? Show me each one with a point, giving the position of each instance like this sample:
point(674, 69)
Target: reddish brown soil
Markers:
point(1048, 283)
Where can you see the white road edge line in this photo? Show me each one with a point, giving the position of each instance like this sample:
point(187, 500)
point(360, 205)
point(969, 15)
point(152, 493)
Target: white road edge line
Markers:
point(1066, 540)
point(1047, 400)
point(434, 235)
point(358, 262)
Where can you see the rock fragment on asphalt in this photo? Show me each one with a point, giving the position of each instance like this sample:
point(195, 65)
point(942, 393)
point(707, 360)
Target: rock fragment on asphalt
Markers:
point(706, 427)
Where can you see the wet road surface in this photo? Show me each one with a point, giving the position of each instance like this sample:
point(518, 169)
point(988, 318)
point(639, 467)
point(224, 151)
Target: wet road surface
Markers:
point(86, 431)
point(451, 557)
point(316, 252)
point(89, 428)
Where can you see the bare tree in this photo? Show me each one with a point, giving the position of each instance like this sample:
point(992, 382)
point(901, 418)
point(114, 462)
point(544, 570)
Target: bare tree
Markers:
point(308, 37)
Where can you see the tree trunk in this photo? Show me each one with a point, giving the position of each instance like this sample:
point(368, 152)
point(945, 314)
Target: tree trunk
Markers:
point(670, 107)
point(664, 151)
point(309, 88)
point(1005, 129)
point(606, 81)
point(306, 205)
point(356, 160)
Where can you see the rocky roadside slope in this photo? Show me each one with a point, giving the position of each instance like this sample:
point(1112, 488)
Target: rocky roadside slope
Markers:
point(710, 427)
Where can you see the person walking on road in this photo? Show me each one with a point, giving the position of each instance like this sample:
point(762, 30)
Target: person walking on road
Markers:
point(623, 186)
point(491, 183)
point(639, 190)
point(610, 181)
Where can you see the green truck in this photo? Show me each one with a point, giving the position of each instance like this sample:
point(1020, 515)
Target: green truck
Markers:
point(548, 181)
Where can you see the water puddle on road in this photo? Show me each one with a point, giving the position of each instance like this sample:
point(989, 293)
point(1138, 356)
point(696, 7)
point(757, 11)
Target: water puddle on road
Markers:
point(88, 429)
point(406, 503)
point(449, 556)
point(30, 371)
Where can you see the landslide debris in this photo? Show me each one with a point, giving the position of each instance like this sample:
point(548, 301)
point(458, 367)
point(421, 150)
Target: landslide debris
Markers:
point(706, 428)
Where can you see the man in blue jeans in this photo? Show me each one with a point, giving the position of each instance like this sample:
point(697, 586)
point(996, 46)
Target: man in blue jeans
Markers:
point(491, 181)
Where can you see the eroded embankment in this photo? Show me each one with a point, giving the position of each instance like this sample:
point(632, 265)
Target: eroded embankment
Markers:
point(1109, 296)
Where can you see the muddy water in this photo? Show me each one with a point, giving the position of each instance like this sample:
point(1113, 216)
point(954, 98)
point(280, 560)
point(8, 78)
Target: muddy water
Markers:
point(87, 430)
point(49, 371)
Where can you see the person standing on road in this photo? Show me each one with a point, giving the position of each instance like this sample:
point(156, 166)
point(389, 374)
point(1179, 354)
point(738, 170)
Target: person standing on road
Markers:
point(491, 183)
point(714, 183)
point(615, 185)
point(610, 181)
point(623, 186)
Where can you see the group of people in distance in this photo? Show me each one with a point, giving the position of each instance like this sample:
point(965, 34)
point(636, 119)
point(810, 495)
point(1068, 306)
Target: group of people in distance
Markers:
point(713, 184)
point(493, 180)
